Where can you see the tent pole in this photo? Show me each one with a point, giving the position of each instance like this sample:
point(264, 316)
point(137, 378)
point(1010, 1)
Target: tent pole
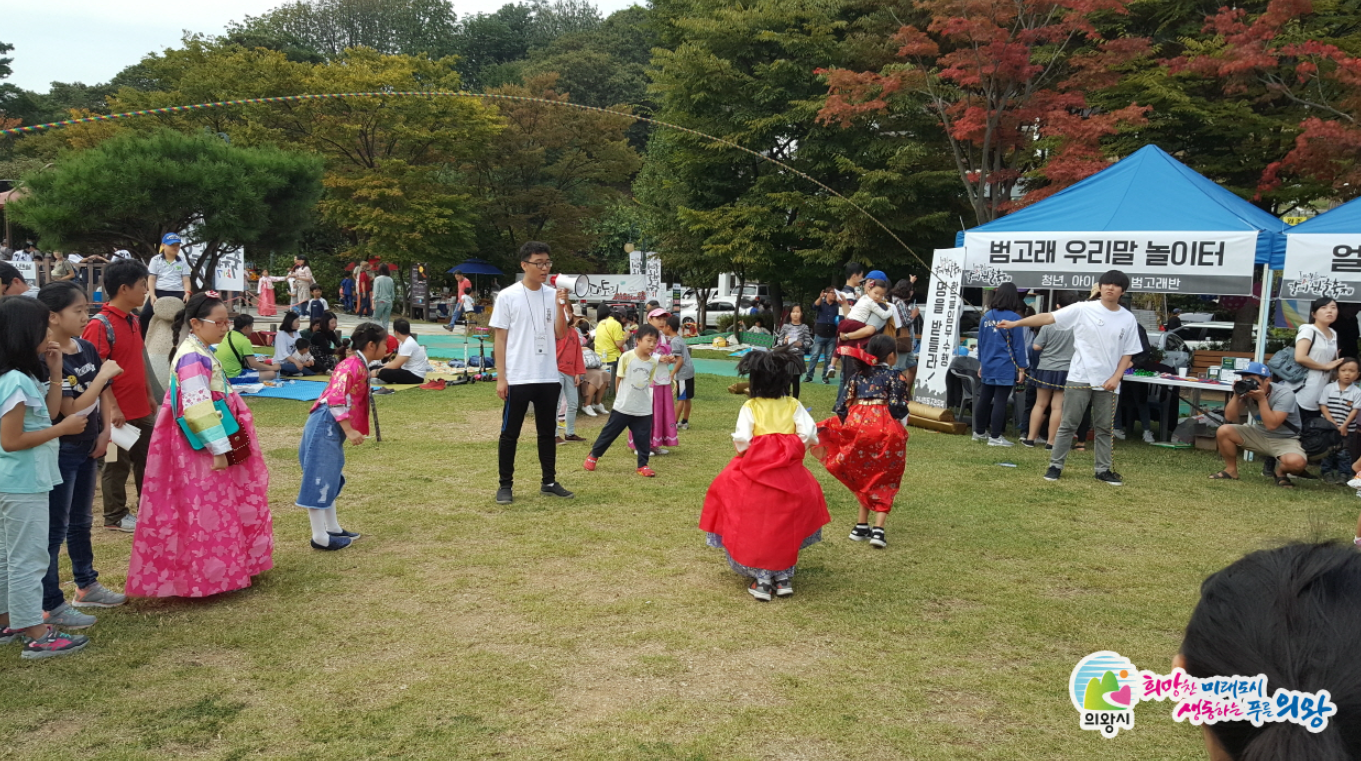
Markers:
point(1263, 315)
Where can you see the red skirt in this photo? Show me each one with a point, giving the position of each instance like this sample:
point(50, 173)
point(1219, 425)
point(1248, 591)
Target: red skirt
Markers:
point(765, 503)
point(866, 453)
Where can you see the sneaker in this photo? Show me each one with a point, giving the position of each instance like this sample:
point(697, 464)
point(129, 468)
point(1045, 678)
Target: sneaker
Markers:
point(809, 379)
point(601, 409)
point(333, 544)
point(783, 588)
point(1148, 438)
point(1049, 447)
point(861, 532)
point(556, 490)
point(68, 617)
point(877, 538)
point(1000, 441)
point(504, 496)
point(683, 426)
point(8, 635)
point(1053, 474)
point(53, 644)
point(351, 535)
point(127, 525)
point(825, 380)
point(434, 385)
point(588, 411)
point(559, 440)
point(980, 437)
point(661, 451)
point(1110, 477)
point(1269, 467)
point(381, 391)
point(760, 590)
point(590, 463)
point(1028, 443)
point(647, 472)
point(1355, 483)
point(1119, 433)
point(96, 596)
point(573, 437)
point(449, 328)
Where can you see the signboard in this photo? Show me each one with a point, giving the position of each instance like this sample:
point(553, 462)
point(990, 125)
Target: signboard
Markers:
point(617, 288)
point(420, 286)
point(636, 262)
point(940, 327)
point(230, 273)
point(656, 289)
point(29, 271)
point(1326, 264)
point(1156, 262)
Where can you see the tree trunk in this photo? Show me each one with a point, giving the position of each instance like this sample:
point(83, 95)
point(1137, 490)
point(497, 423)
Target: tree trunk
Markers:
point(1243, 320)
point(776, 304)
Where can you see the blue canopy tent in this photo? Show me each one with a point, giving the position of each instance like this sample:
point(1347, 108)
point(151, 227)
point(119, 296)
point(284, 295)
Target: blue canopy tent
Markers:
point(1323, 258)
point(476, 266)
point(1148, 192)
point(1342, 220)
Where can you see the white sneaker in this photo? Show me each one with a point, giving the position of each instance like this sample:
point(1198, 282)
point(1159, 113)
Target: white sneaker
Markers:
point(588, 410)
point(1148, 438)
point(1119, 433)
point(1000, 441)
point(127, 525)
point(661, 451)
point(979, 436)
point(601, 409)
point(1355, 483)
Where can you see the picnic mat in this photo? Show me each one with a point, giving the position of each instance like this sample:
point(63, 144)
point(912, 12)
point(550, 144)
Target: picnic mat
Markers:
point(302, 391)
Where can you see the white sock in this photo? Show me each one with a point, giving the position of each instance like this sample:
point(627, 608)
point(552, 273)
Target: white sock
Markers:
point(332, 522)
point(318, 519)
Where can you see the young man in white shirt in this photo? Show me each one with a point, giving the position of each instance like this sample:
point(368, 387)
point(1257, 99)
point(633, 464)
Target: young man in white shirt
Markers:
point(528, 321)
point(1105, 339)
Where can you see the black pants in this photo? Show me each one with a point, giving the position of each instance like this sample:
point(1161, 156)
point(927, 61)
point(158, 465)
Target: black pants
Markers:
point(148, 310)
point(990, 409)
point(795, 393)
point(399, 375)
point(640, 425)
point(544, 397)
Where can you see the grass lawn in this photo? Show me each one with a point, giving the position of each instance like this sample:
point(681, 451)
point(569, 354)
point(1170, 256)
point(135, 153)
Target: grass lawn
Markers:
point(603, 628)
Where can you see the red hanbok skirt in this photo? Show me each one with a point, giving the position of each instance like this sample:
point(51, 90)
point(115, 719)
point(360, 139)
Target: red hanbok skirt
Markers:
point(866, 453)
point(765, 504)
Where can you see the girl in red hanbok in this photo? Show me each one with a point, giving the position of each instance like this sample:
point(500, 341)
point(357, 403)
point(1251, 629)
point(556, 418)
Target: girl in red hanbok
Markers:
point(864, 445)
point(765, 506)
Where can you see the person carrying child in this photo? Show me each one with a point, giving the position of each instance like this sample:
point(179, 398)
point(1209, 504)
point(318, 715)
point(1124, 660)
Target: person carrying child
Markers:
point(205, 527)
point(663, 408)
point(766, 506)
point(28, 471)
point(632, 402)
point(866, 318)
point(340, 415)
point(865, 444)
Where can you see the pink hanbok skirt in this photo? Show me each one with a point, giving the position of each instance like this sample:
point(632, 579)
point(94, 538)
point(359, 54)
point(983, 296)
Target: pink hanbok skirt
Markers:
point(200, 531)
point(266, 307)
point(663, 419)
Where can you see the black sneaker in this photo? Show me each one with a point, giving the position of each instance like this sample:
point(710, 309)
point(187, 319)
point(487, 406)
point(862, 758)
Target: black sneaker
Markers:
point(1028, 443)
point(783, 588)
point(504, 496)
point(351, 535)
point(1053, 474)
point(1049, 446)
point(877, 538)
point(1110, 477)
point(554, 489)
point(1269, 467)
point(761, 590)
point(861, 532)
point(332, 544)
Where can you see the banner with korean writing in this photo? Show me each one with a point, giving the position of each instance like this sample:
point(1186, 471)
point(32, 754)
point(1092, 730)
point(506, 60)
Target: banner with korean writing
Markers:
point(1156, 262)
point(940, 327)
point(230, 272)
point(1326, 264)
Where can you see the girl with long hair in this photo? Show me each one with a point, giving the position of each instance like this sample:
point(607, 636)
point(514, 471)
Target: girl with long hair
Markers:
point(1003, 361)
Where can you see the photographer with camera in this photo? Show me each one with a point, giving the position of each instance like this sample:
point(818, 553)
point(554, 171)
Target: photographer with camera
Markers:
point(1273, 406)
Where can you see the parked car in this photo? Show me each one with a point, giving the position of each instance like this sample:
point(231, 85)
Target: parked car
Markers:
point(1196, 335)
point(716, 308)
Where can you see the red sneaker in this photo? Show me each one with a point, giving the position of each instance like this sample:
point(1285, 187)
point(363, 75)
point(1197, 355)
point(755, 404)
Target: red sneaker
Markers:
point(647, 472)
point(590, 463)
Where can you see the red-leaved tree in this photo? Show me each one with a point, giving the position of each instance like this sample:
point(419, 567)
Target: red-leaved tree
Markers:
point(1009, 81)
point(1287, 54)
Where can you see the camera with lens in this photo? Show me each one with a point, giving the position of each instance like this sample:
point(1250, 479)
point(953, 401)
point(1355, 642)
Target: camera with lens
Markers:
point(1244, 386)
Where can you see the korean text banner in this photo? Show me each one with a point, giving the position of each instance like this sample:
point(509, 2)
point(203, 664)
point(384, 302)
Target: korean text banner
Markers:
point(1324, 264)
point(1156, 262)
point(940, 327)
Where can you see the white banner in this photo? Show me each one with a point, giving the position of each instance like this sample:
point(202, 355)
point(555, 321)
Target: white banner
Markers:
point(230, 274)
point(656, 289)
point(617, 288)
point(940, 327)
point(1156, 262)
point(1327, 264)
point(29, 271)
point(636, 262)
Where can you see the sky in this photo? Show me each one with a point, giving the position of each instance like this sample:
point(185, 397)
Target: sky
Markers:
point(90, 41)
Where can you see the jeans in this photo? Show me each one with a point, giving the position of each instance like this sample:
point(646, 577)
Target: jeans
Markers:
point(639, 425)
point(823, 348)
point(23, 557)
point(382, 310)
point(544, 397)
point(1075, 401)
point(572, 394)
point(1339, 461)
point(70, 515)
point(114, 480)
point(458, 315)
point(288, 368)
point(990, 408)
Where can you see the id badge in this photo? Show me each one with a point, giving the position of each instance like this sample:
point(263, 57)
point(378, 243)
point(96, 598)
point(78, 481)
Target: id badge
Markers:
point(540, 345)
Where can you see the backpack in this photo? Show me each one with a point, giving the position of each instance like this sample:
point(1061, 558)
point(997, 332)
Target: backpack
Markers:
point(1284, 366)
point(108, 327)
point(1319, 438)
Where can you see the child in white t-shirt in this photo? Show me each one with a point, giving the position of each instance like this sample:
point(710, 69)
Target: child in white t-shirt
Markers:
point(632, 402)
point(300, 361)
point(870, 313)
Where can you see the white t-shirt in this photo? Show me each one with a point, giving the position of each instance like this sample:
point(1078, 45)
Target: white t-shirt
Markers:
point(1339, 402)
point(1100, 338)
point(1321, 350)
point(284, 346)
point(635, 388)
point(417, 363)
point(870, 312)
point(531, 346)
point(169, 275)
point(466, 302)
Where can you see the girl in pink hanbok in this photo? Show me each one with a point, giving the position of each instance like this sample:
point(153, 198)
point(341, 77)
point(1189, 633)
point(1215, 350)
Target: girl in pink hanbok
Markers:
point(266, 291)
point(204, 526)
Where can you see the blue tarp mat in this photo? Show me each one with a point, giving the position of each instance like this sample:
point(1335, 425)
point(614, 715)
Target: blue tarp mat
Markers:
point(302, 391)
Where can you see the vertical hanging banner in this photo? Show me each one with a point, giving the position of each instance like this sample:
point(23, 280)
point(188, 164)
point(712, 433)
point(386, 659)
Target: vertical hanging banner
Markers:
point(940, 327)
point(656, 289)
point(230, 273)
point(636, 262)
point(1322, 264)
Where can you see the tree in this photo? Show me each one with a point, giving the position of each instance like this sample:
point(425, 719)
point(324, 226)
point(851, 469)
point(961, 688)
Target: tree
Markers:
point(133, 188)
point(1009, 82)
point(330, 27)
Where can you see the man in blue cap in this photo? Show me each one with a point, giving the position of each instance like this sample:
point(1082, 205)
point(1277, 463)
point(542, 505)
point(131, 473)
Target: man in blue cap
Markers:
point(1277, 434)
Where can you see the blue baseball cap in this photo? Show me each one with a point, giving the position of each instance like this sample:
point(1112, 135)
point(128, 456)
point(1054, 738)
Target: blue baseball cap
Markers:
point(170, 239)
point(877, 275)
point(1256, 368)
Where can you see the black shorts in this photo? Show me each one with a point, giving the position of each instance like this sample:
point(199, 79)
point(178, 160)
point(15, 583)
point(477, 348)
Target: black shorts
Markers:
point(687, 389)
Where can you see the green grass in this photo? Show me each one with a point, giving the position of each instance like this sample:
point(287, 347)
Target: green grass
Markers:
point(603, 628)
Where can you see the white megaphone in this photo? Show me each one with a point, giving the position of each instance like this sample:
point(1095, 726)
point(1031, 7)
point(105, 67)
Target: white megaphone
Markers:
point(577, 285)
